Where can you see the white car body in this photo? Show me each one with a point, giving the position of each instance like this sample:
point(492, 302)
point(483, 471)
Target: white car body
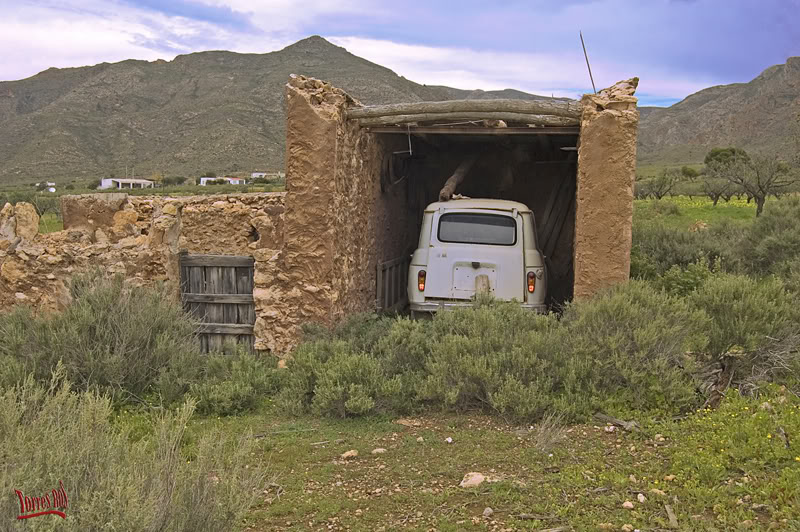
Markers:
point(467, 246)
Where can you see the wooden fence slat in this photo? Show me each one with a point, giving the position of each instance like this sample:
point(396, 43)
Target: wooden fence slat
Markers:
point(218, 298)
point(217, 329)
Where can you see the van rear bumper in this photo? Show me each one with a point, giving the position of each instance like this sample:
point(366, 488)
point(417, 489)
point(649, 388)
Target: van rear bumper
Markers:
point(448, 305)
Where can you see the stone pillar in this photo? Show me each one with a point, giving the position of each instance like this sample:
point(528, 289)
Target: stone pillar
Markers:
point(604, 198)
point(294, 285)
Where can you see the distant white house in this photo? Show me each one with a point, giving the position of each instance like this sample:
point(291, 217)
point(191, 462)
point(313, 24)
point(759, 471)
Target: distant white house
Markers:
point(268, 175)
point(231, 180)
point(113, 182)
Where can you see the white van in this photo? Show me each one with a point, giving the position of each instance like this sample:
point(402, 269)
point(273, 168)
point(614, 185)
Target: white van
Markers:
point(468, 246)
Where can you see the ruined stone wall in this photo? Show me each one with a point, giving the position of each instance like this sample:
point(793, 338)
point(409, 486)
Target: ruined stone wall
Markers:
point(137, 236)
point(604, 202)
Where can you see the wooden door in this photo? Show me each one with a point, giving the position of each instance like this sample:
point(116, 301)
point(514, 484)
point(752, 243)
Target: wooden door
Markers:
point(218, 291)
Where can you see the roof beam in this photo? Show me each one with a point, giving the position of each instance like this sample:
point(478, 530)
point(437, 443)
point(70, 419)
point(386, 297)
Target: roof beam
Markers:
point(562, 107)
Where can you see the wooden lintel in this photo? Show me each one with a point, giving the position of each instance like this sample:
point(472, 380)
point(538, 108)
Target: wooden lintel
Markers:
point(457, 130)
point(217, 260)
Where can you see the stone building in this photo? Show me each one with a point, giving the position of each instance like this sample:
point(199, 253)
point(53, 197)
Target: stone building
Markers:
point(357, 183)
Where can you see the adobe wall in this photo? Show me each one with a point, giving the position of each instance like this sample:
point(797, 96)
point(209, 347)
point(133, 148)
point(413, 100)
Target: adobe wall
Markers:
point(604, 199)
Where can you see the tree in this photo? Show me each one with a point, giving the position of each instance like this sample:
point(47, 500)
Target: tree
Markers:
point(663, 183)
point(689, 173)
point(209, 174)
point(716, 188)
point(758, 176)
point(724, 155)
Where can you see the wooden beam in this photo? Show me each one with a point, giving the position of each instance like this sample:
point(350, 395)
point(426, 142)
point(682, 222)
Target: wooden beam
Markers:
point(565, 107)
point(461, 116)
point(217, 260)
point(217, 298)
point(444, 130)
point(458, 176)
point(225, 328)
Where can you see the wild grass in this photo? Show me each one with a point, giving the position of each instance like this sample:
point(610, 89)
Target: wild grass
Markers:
point(51, 434)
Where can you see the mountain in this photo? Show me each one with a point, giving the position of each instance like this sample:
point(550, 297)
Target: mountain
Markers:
point(208, 111)
point(757, 116)
point(225, 112)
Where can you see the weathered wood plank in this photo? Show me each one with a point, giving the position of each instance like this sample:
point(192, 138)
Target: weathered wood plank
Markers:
point(218, 261)
point(229, 287)
point(562, 107)
point(218, 298)
point(537, 120)
point(225, 328)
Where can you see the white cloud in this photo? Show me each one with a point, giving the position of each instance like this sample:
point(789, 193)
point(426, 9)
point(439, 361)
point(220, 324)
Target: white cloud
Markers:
point(91, 32)
point(560, 74)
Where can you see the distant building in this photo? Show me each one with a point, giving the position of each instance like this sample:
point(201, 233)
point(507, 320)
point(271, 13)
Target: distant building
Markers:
point(51, 189)
point(114, 182)
point(230, 180)
point(258, 174)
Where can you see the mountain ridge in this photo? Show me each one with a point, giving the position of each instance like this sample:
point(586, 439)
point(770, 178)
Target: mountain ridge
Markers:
point(225, 112)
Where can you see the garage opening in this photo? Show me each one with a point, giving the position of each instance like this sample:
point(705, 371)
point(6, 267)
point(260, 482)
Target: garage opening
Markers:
point(536, 166)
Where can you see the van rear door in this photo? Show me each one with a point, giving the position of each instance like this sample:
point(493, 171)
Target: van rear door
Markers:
point(476, 250)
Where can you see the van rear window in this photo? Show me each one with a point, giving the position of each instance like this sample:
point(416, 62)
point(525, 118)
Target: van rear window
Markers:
point(470, 228)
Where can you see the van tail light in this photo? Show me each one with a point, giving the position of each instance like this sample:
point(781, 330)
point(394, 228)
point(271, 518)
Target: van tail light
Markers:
point(531, 282)
point(421, 280)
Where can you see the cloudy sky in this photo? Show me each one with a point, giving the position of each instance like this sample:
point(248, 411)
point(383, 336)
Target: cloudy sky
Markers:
point(676, 47)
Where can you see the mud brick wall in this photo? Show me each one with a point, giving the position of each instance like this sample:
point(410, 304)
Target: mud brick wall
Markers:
point(604, 201)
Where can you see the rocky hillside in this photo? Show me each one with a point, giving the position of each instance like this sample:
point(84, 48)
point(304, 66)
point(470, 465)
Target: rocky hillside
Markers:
point(225, 112)
point(756, 116)
point(207, 111)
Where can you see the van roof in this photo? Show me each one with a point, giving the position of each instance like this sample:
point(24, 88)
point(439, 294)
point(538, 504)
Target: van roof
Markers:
point(478, 203)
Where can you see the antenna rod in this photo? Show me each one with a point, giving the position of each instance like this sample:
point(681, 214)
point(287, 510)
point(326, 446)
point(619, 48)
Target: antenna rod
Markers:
point(587, 61)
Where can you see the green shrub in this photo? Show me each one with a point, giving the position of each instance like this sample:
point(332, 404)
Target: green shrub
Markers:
point(682, 281)
point(330, 378)
point(114, 481)
point(772, 243)
point(665, 207)
point(657, 248)
point(628, 349)
point(745, 313)
point(231, 384)
point(623, 350)
point(125, 340)
point(490, 357)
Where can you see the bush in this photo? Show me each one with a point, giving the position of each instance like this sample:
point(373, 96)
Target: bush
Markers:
point(628, 349)
point(682, 281)
point(745, 313)
point(772, 243)
point(111, 481)
point(94, 184)
point(625, 349)
point(657, 248)
point(124, 340)
point(231, 384)
point(666, 207)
